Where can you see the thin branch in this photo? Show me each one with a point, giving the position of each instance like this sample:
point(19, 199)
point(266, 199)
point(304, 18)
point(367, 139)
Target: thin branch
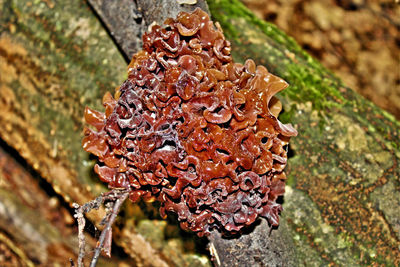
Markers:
point(117, 195)
point(81, 237)
point(120, 200)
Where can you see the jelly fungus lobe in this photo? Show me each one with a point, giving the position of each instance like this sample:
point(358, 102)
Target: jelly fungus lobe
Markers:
point(194, 130)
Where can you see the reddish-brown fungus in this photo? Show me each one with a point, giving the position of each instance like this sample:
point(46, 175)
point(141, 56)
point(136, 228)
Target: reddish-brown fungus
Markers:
point(194, 130)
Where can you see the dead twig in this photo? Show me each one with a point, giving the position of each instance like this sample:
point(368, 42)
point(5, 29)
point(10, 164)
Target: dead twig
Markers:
point(117, 196)
point(106, 233)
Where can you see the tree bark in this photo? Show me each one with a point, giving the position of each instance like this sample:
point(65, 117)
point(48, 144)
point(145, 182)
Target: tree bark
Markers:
point(342, 201)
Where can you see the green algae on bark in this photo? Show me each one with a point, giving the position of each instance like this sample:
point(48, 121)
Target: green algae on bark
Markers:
point(345, 157)
point(55, 59)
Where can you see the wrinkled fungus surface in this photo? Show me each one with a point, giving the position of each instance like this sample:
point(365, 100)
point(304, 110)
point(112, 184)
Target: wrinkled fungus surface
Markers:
point(194, 130)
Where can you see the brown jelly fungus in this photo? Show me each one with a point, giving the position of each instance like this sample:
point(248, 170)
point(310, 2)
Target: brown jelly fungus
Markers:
point(194, 130)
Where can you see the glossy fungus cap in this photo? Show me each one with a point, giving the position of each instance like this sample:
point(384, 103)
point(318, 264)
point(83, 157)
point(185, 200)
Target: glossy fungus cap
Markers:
point(194, 130)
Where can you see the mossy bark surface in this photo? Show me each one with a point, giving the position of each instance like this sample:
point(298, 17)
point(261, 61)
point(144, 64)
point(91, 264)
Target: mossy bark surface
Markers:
point(342, 200)
point(55, 59)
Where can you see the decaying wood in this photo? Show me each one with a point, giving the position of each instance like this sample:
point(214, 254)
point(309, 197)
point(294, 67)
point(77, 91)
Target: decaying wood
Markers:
point(157, 11)
point(55, 59)
point(122, 19)
point(128, 20)
point(260, 246)
point(342, 201)
point(34, 224)
point(341, 205)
